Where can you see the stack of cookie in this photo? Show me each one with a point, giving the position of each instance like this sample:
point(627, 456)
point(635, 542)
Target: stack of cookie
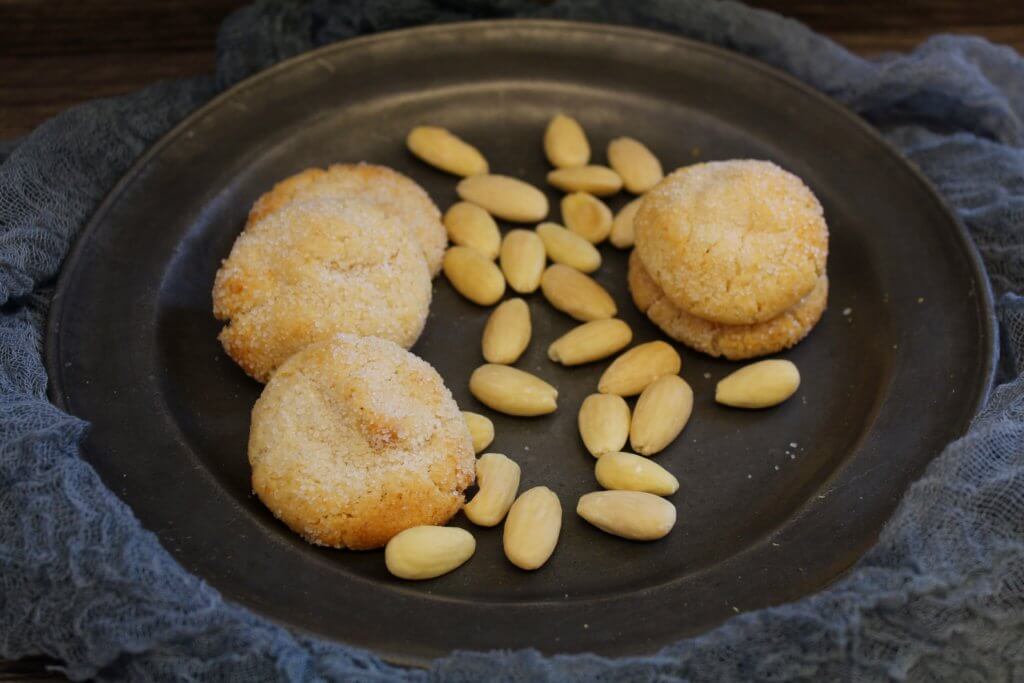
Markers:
point(730, 258)
point(353, 439)
point(329, 251)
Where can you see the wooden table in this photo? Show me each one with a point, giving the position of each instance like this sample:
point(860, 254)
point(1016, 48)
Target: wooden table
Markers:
point(56, 54)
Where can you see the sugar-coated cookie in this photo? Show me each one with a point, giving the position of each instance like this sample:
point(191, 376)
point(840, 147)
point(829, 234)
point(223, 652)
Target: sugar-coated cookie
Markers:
point(354, 440)
point(734, 242)
point(312, 269)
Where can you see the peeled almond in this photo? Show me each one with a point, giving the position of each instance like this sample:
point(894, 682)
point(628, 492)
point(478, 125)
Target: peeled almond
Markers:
point(633, 515)
point(590, 341)
point(441, 149)
point(426, 552)
point(630, 373)
point(497, 478)
point(576, 294)
point(661, 412)
point(505, 197)
point(522, 260)
point(565, 143)
point(603, 422)
point(759, 385)
point(639, 169)
point(587, 216)
point(568, 248)
point(532, 528)
point(629, 472)
point(481, 430)
point(473, 275)
point(470, 226)
point(507, 332)
point(623, 235)
point(597, 180)
point(512, 391)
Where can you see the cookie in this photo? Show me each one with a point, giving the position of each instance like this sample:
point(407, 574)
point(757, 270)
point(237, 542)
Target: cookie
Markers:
point(312, 269)
point(733, 242)
point(355, 439)
point(398, 196)
point(735, 342)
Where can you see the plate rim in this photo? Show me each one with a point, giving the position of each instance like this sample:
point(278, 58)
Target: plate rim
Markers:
point(985, 303)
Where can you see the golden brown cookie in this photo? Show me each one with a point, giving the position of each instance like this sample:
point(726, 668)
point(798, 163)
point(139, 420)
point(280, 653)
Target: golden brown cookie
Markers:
point(312, 269)
point(734, 242)
point(397, 195)
point(354, 440)
point(735, 342)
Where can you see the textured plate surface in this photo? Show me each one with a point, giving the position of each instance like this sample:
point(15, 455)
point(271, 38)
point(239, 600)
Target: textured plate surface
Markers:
point(772, 504)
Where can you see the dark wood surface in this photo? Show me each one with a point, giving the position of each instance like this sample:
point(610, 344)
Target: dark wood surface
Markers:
point(56, 54)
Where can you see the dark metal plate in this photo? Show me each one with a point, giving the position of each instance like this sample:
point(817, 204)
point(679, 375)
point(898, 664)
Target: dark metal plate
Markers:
point(773, 504)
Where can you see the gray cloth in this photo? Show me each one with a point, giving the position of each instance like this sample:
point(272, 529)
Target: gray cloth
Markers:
point(940, 597)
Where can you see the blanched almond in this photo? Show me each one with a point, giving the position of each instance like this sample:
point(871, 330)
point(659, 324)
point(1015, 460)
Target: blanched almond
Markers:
point(634, 515)
point(759, 385)
point(470, 226)
point(597, 180)
point(603, 423)
point(576, 294)
point(565, 143)
point(568, 248)
point(441, 149)
point(507, 332)
point(629, 472)
point(473, 275)
point(481, 430)
point(498, 480)
point(505, 197)
point(639, 169)
point(587, 216)
point(590, 341)
point(532, 528)
point(661, 412)
point(512, 391)
point(631, 372)
point(424, 552)
point(522, 260)
point(623, 235)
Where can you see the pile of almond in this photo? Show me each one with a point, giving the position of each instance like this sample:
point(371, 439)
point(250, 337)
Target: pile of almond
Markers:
point(481, 265)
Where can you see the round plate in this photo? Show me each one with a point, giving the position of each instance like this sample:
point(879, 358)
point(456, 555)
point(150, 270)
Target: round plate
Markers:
point(773, 504)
